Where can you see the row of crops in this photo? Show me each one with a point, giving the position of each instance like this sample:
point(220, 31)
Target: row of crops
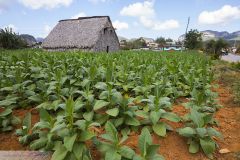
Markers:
point(78, 93)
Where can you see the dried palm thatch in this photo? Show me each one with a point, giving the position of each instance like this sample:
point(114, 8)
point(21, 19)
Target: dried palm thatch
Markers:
point(85, 33)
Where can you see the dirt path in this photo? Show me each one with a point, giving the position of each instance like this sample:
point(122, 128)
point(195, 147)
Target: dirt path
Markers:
point(229, 121)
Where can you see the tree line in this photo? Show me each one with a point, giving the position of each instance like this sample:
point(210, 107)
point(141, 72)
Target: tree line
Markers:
point(10, 40)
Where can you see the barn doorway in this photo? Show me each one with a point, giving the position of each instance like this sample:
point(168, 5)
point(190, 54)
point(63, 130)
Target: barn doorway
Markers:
point(107, 49)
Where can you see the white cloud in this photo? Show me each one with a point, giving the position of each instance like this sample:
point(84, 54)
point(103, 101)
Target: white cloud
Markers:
point(48, 4)
point(158, 25)
point(221, 16)
point(139, 9)
point(120, 25)
point(80, 14)
point(146, 14)
point(45, 30)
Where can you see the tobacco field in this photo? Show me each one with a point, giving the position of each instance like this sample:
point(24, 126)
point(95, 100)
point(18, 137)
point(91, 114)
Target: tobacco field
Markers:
point(87, 100)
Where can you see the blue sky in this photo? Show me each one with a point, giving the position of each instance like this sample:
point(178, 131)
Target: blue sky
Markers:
point(132, 18)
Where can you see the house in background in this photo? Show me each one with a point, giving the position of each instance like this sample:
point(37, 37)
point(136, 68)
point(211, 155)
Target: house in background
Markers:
point(95, 34)
point(172, 46)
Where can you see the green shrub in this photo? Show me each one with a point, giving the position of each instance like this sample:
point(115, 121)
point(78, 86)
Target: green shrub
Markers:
point(10, 40)
point(214, 47)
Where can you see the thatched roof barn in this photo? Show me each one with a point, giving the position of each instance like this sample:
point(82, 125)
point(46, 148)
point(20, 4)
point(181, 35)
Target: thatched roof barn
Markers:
point(94, 34)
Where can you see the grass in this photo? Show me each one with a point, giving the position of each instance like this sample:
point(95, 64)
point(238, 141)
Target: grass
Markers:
point(229, 74)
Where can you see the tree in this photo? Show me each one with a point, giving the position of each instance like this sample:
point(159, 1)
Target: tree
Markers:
point(193, 39)
point(10, 40)
point(210, 47)
point(136, 44)
point(215, 48)
point(169, 40)
point(161, 41)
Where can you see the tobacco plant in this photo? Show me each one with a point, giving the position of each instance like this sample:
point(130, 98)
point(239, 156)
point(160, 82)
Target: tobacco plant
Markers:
point(199, 134)
point(148, 150)
point(112, 145)
point(8, 120)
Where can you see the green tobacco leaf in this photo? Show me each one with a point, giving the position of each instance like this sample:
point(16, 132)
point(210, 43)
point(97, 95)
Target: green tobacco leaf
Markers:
point(78, 105)
point(144, 140)
point(78, 149)
point(208, 146)
point(45, 116)
point(81, 124)
point(154, 117)
point(101, 86)
point(35, 98)
point(201, 132)
point(27, 121)
point(194, 147)
point(137, 157)
point(111, 156)
point(7, 89)
point(127, 152)
point(107, 137)
point(117, 97)
point(42, 125)
point(38, 144)
point(142, 114)
point(197, 118)
point(132, 121)
point(15, 120)
point(44, 105)
point(69, 142)
point(100, 104)
point(171, 117)
point(119, 121)
point(213, 132)
point(8, 102)
point(112, 131)
point(152, 150)
point(86, 135)
point(113, 112)
point(6, 112)
point(88, 116)
point(58, 127)
point(187, 132)
point(160, 129)
point(165, 101)
point(60, 153)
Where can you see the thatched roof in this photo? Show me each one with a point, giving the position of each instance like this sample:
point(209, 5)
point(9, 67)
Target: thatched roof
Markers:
point(81, 33)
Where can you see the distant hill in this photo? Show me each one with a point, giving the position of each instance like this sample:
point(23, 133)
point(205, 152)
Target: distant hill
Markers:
point(146, 39)
point(210, 34)
point(39, 39)
point(29, 39)
point(120, 38)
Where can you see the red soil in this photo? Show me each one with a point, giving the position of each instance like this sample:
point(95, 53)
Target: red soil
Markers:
point(173, 146)
point(9, 141)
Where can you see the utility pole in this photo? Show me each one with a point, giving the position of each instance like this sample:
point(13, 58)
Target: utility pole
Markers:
point(185, 33)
